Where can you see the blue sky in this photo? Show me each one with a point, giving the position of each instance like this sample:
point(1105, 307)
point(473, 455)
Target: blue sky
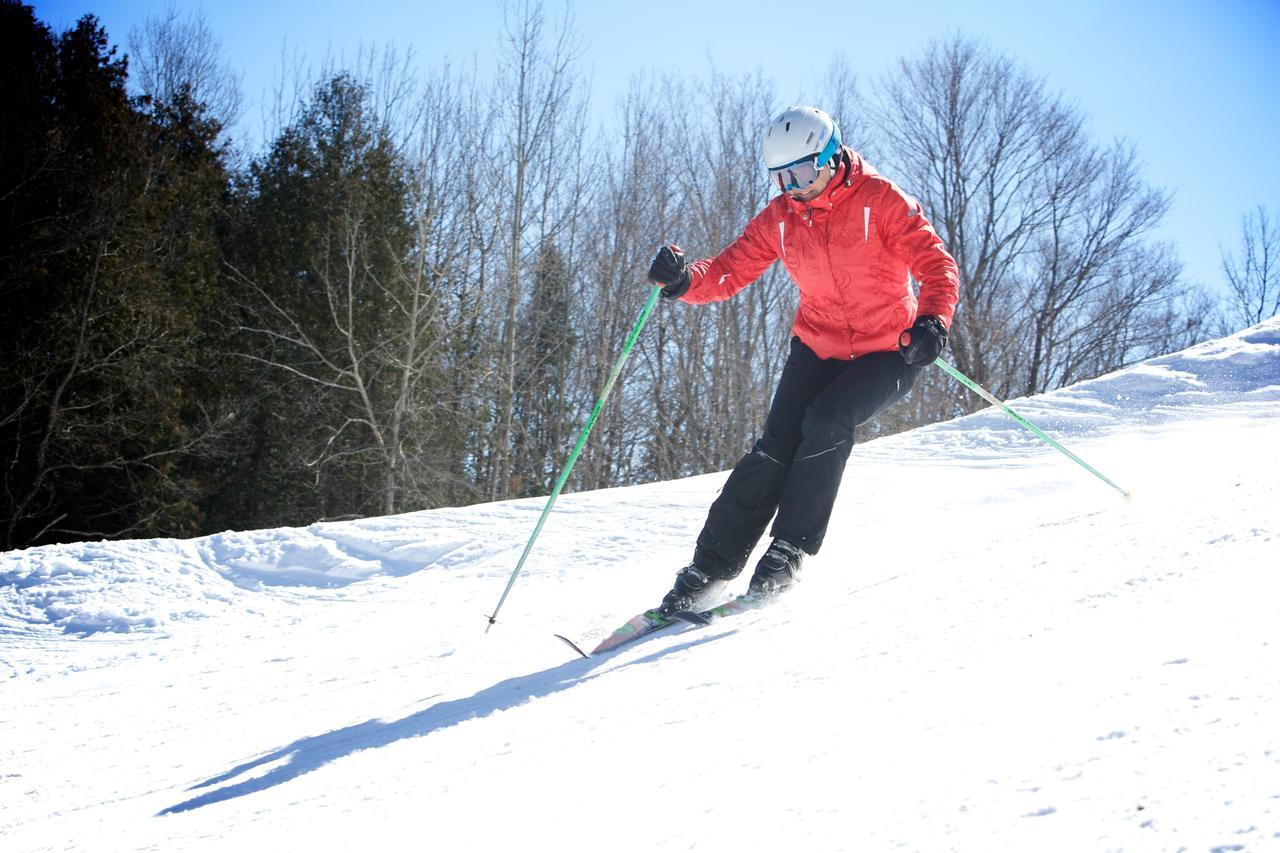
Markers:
point(1195, 86)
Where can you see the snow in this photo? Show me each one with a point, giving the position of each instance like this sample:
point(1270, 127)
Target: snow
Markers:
point(994, 651)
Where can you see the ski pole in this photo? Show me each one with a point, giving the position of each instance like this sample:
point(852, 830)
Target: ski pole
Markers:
point(577, 449)
point(991, 398)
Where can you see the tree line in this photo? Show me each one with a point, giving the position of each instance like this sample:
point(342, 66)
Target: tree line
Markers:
point(411, 294)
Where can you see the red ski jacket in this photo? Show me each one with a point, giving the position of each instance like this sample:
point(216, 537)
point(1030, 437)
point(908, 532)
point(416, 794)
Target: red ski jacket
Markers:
point(850, 251)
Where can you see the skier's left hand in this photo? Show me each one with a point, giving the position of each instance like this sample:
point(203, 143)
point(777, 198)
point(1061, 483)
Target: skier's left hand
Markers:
point(923, 342)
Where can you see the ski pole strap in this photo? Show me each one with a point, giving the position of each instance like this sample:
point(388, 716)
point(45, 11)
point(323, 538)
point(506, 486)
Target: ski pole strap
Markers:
point(577, 448)
point(1039, 433)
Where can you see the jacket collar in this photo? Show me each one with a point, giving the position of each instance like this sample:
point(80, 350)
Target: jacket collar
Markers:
point(851, 175)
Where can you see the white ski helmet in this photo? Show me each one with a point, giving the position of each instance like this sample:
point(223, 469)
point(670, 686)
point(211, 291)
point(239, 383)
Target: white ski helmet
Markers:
point(800, 135)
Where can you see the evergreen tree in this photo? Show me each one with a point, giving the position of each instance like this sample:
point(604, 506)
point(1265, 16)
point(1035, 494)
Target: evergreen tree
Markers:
point(105, 254)
point(339, 315)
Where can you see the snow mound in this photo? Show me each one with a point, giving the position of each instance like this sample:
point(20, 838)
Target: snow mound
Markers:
point(84, 588)
point(1239, 370)
point(140, 585)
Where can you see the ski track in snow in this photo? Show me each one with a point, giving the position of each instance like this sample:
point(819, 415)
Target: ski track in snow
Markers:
point(994, 651)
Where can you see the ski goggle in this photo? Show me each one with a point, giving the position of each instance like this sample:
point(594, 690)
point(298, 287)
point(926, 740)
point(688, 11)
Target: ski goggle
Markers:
point(799, 175)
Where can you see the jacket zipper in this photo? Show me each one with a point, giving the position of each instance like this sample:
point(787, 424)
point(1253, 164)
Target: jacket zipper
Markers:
point(826, 246)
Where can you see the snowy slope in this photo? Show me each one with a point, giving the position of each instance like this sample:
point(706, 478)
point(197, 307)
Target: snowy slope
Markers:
point(994, 651)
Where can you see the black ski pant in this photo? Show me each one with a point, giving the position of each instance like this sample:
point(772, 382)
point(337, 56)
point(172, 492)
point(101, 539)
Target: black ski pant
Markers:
point(794, 470)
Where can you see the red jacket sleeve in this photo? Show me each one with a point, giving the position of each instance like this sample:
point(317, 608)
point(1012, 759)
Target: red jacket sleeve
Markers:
point(910, 236)
point(739, 264)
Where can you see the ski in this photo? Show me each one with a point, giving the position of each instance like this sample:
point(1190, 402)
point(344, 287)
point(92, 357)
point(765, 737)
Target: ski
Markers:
point(651, 621)
point(640, 625)
point(741, 604)
point(636, 627)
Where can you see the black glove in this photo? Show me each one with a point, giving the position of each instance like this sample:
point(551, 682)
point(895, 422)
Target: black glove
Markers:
point(923, 342)
point(669, 269)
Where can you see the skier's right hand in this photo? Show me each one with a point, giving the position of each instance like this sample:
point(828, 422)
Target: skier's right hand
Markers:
point(670, 270)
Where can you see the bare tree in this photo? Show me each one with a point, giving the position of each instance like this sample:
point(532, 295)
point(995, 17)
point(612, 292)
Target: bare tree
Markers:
point(634, 206)
point(971, 135)
point(175, 53)
point(1253, 281)
point(728, 353)
point(383, 376)
point(537, 81)
point(350, 313)
point(840, 93)
point(1082, 291)
point(1048, 229)
point(454, 233)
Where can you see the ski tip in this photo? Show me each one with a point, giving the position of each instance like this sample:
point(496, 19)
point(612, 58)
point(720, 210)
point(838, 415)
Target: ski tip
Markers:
point(571, 644)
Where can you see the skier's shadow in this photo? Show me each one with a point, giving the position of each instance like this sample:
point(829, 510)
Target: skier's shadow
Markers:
point(311, 753)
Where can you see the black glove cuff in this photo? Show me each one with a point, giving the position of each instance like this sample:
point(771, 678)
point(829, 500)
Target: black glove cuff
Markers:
point(678, 288)
point(934, 325)
point(923, 342)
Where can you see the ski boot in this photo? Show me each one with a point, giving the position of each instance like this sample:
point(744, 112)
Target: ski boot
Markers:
point(778, 569)
point(694, 589)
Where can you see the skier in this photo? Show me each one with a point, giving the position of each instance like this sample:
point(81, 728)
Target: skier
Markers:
point(849, 239)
